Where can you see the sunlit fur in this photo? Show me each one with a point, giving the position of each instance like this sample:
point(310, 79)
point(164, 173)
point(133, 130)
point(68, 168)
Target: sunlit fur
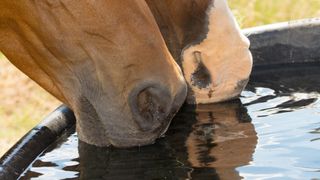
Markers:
point(224, 52)
point(207, 43)
point(92, 55)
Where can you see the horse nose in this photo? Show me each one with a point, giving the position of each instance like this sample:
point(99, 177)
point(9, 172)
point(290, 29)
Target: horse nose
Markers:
point(153, 106)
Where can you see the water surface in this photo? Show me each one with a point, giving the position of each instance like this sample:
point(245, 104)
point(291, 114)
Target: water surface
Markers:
point(272, 132)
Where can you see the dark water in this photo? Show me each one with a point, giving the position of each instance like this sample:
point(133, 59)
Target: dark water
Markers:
point(272, 132)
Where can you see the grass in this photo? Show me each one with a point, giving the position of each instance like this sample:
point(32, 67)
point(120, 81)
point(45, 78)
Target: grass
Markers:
point(258, 12)
point(23, 103)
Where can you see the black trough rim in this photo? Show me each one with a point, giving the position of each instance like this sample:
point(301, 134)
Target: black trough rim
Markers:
point(263, 38)
point(25, 151)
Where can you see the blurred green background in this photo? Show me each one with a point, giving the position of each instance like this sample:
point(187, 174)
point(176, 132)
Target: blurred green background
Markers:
point(23, 103)
point(258, 12)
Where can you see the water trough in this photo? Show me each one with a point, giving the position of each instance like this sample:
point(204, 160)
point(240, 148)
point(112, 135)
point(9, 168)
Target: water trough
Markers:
point(288, 45)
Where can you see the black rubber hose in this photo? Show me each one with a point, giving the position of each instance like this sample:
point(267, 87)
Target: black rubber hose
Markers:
point(23, 153)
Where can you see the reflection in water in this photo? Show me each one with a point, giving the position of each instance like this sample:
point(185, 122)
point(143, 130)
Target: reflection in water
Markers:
point(222, 138)
point(203, 142)
point(199, 144)
point(285, 106)
point(316, 131)
point(214, 141)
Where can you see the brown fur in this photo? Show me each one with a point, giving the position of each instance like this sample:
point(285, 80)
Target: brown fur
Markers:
point(92, 55)
point(206, 42)
point(109, 60)
point(182, 22)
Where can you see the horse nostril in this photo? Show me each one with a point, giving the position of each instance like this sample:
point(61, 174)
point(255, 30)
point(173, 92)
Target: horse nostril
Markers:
point(201, 77)
point(150, 107)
